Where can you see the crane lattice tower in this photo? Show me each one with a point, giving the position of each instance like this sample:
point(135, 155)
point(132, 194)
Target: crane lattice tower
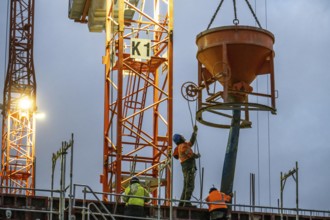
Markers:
point(138, 89)
point(19, 104)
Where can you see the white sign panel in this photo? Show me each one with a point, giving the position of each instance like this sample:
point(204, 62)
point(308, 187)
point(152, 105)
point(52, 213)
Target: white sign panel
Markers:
point(140, 48)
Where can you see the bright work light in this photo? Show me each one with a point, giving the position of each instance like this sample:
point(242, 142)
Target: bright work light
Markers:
point(24, 103)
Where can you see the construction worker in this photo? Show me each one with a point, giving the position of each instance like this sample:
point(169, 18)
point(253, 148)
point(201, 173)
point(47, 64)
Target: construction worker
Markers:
point(135, 206)
point(219, 209)
point(187, 158)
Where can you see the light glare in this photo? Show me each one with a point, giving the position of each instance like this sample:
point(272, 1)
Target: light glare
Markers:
point(25, 103)
point(40, 115)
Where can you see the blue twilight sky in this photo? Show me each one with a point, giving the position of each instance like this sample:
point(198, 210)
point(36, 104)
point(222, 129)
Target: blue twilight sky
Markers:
point(70, 74)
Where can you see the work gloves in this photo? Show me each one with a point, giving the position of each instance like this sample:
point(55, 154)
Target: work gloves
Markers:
point(198, 155)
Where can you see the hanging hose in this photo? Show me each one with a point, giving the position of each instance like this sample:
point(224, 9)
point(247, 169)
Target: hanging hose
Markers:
point(228, 172)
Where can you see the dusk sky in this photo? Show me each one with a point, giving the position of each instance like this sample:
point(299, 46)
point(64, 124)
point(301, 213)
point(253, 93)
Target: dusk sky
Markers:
point(70, 84)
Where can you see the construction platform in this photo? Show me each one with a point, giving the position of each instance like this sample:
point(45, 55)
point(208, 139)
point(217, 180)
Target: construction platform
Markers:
point(38, 208)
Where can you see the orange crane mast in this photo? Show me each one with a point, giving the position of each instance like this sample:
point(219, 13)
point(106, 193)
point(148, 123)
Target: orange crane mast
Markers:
point(19, 104)
point(138, 106)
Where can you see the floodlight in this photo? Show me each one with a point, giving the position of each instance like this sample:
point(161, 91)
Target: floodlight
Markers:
point(25, 103)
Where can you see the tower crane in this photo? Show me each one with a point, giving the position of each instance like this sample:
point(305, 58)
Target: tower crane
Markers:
point(19, 104)
point(138, 89)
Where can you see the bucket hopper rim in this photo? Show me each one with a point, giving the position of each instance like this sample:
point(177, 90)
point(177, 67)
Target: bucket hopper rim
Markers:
point(233, 27)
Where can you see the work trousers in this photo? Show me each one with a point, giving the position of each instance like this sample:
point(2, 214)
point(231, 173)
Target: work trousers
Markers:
point(188, 170)
point(218, 214)
point(134, 210)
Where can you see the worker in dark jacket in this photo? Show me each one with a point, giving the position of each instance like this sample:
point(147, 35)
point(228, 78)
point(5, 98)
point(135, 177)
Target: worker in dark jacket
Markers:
point(187, 158)
point(218, 210)
point(135, 206)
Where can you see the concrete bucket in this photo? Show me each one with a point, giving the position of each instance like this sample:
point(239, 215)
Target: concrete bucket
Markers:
point(236, 55)
point(233, 56)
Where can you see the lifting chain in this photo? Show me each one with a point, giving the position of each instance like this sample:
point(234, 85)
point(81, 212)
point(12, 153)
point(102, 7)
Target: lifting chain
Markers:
point(254, 15)
point(235, 21)
point(214, 15)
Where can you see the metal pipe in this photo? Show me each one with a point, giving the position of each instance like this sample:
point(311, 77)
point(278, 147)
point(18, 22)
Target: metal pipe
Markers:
point(252, 191)
point(228, 171)
point(84, 203)
point(297, 191)
point(71, 176)
point(201, 190)
point(62, 182)
point(64, 173)
point(52, 187)
point(171, 190)
point(282, 186)
point(158, 202)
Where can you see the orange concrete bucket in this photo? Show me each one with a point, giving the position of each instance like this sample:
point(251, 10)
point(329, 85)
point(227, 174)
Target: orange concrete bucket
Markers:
point(236, 54)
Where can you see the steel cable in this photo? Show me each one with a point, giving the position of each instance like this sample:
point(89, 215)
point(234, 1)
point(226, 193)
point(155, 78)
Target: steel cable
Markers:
point(235, 21)
point(254, 15)
point(7, 39)
point(214, 15)
point(196, 147)
point(268, 122)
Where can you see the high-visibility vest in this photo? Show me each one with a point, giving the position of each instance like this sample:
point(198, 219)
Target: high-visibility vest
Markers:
point(220, 199)
point(139, 191)
point(176, 152)
point(185, 151)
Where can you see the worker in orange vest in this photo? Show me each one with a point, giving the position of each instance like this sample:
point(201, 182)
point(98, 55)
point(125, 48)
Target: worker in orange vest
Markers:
point(187, 158)
point(217, 204)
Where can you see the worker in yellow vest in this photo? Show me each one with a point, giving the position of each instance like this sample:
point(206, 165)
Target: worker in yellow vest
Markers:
point(218, 210)
point(187, 158)
point(135, 197)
